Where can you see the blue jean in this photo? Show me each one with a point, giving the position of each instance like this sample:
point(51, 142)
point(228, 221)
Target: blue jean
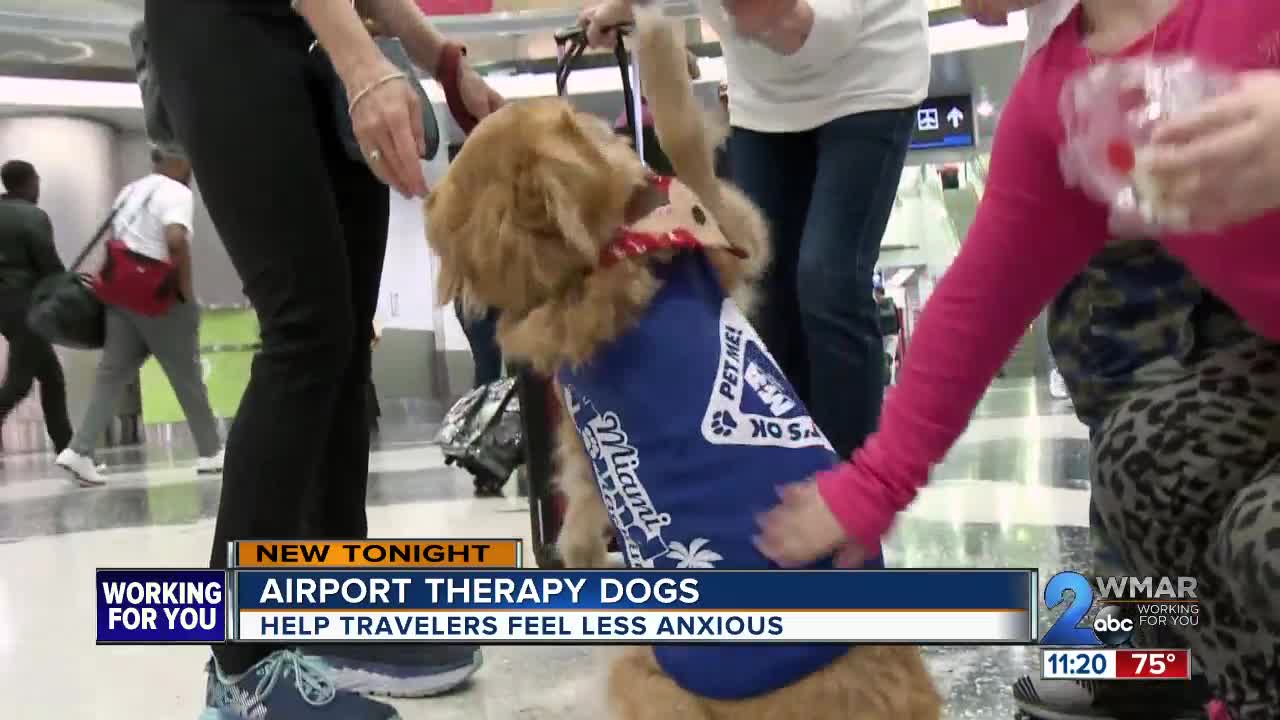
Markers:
point(482, 334)
point(827, 194)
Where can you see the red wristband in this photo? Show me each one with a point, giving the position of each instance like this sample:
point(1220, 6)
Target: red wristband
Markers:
point(449, 74)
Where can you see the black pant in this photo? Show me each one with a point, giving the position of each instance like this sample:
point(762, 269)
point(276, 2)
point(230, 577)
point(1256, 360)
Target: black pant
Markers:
point(32, 358)
point(306, 228)
point(482, 335)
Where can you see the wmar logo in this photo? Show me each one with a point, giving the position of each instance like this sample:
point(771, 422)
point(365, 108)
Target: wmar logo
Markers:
point(1128, 603)
point(751, 403)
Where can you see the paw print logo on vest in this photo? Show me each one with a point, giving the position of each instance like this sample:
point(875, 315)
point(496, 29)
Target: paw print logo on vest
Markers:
point(723, 424)
point(751, 402)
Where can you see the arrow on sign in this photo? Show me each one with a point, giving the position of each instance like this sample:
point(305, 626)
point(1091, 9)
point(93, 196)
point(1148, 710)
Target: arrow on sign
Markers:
point(955, 117)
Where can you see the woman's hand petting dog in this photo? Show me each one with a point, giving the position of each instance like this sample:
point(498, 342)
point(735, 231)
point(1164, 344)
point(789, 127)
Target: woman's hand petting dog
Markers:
point(802, 530)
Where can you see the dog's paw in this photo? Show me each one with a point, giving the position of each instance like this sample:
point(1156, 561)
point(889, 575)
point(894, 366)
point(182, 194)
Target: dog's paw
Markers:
point(647, 13)
point(584, 554)
point(655, 33)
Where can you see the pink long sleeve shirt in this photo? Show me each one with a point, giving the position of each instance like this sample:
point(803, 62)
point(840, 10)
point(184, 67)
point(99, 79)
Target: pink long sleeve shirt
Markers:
point(1032, 234)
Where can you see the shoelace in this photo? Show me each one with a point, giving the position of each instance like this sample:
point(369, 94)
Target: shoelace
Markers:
point(312, 678)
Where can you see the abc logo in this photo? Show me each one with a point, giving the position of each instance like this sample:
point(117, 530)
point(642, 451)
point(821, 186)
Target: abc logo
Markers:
point(1111, 627)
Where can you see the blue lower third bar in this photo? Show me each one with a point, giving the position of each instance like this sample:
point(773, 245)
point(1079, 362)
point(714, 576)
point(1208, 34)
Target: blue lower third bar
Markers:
point(162, 606)
point(501, 606)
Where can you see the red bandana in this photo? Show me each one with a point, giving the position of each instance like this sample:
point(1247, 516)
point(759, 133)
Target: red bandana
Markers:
point(631, 242)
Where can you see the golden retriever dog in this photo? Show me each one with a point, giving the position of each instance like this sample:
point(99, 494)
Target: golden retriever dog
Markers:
point(538, 217)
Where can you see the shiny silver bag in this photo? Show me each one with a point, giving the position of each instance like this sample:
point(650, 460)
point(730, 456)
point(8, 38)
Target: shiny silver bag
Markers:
point(482, 431)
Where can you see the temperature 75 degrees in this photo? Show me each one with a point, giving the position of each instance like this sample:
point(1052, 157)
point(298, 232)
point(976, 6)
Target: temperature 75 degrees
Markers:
point(1153, 664)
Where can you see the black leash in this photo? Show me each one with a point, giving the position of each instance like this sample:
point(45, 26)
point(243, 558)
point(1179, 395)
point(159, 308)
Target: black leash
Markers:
point(572, 42)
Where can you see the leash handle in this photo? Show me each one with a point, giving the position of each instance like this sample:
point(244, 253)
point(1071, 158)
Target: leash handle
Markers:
point(577, 33)
point(571, 43)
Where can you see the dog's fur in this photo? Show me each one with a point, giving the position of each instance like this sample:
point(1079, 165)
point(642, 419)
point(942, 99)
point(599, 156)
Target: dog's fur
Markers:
point(519, 222)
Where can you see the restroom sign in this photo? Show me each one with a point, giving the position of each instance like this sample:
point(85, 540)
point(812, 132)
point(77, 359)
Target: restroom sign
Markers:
point(943, 122)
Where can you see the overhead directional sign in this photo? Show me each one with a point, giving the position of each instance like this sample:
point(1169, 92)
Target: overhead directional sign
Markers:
point(944, 122)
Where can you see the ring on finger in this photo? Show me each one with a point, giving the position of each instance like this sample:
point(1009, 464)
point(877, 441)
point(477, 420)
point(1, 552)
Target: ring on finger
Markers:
point(375, 155)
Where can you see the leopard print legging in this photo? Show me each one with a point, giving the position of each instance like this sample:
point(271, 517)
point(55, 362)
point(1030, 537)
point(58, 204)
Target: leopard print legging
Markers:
point(1186, 480)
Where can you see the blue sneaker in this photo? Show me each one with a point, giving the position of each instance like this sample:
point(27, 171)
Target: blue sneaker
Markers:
point(286, 685)
point(402, 670)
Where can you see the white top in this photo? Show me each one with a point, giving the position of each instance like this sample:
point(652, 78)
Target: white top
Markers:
point(1042, 20)
point(862, 55)
point(147, 207)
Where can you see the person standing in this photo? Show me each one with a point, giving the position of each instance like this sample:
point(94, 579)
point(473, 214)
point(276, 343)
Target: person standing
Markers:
point(27, 256)
point(486, 358)
point(481, 330)
point(1043, 17)
point(823, 105)
point(153, 219)
point(305, 226)
point(890, 327)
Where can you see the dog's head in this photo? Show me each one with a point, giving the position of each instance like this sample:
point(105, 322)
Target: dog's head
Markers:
point(527, 205)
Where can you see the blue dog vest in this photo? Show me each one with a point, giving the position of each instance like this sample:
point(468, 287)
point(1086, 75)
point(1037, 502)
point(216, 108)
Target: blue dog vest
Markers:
point(690, 426)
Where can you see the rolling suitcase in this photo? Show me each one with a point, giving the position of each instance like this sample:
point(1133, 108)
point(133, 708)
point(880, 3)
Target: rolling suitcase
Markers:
point(539, 405)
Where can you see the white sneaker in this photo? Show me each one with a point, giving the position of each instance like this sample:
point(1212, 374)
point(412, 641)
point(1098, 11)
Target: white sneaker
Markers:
point(1058, 386)
point(211, 465)
point(81, 467)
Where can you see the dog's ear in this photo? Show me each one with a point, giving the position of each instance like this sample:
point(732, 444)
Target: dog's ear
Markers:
point(553, 200)
point(449, 286)
point(524, 235)
point(525, 210)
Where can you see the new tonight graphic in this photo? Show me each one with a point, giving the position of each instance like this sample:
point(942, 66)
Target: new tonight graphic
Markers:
point(569, 607)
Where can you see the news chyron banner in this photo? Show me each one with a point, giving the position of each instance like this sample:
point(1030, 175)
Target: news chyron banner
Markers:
point(474, 591)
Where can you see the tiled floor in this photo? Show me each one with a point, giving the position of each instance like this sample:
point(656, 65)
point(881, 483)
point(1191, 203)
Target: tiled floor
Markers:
point(1012, 494)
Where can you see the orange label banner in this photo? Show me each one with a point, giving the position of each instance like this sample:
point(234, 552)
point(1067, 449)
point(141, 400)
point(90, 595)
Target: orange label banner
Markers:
point(379, 553)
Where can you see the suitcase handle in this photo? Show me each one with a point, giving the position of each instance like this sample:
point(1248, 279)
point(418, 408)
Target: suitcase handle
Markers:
point(577, 33)
point(575, 38)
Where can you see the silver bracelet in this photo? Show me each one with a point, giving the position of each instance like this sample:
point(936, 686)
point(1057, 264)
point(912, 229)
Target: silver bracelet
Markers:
point(397, 75)
point(293, 4)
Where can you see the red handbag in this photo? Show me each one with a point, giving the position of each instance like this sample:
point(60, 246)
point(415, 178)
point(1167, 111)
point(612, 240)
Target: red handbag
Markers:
point(134, 281)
